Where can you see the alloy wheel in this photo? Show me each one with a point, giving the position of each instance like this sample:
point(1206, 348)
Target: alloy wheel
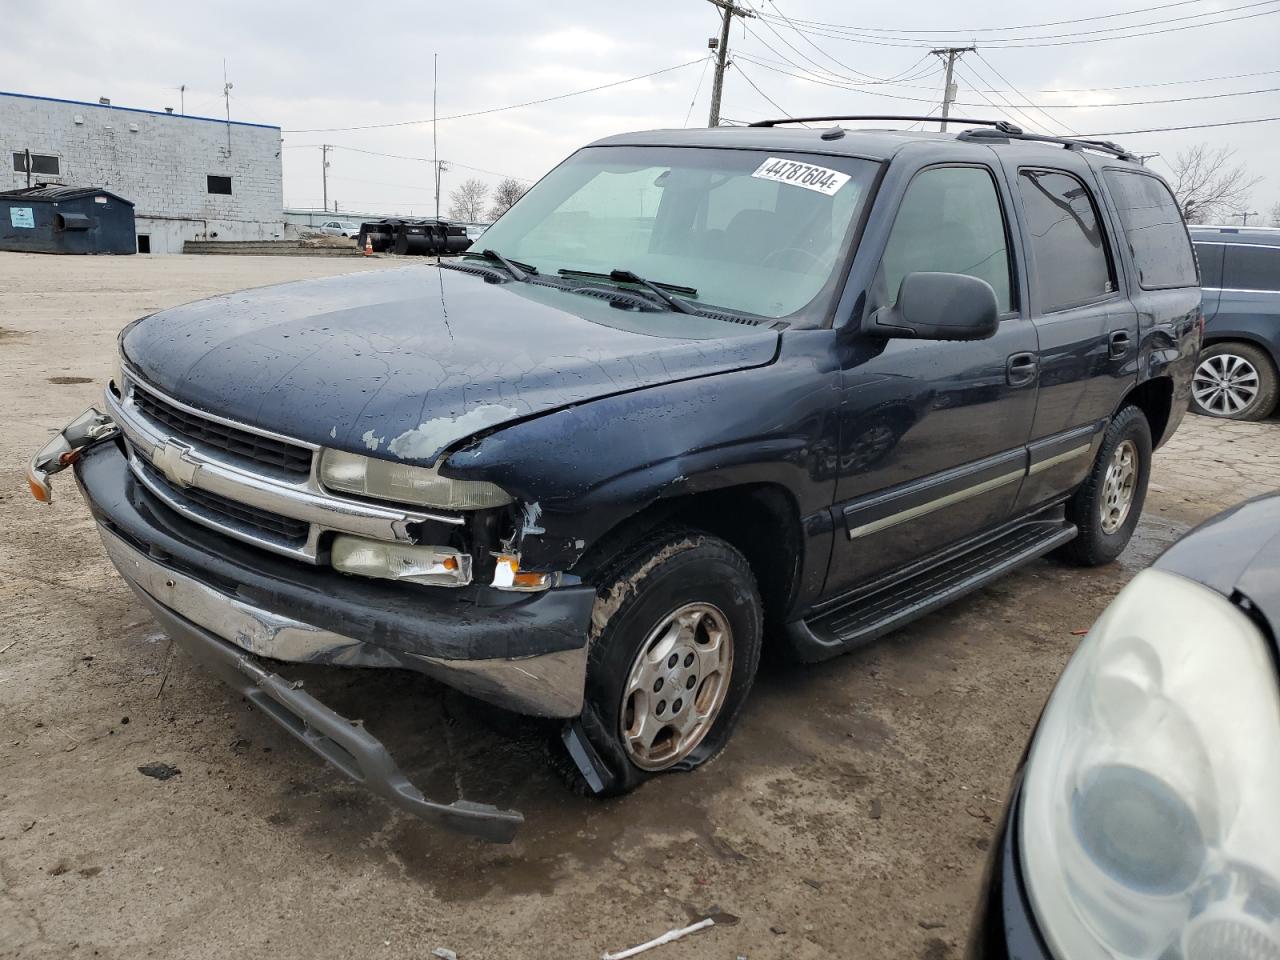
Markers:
point(1225, 384)
point(1118, 487)
point(676, 686)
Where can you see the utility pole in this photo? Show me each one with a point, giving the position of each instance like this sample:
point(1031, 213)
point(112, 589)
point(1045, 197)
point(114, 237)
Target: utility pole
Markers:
point(226, 95)
point(728, 10)
point(1245, 215)
point(441, 167)
point(324, 174)
point(952, 54)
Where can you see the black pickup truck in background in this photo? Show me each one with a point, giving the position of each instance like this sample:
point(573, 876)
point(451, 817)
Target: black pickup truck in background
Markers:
point(698, 391)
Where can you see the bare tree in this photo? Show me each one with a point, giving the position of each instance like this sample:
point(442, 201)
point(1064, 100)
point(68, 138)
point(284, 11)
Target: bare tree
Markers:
point(467, 200)
point(1275, 214)
point(1208, 183)
point(505, 196)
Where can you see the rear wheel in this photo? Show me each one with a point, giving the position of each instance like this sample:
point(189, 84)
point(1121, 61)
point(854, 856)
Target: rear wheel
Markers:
point(675, 642)
point(1234, 381)
point(1107, 506)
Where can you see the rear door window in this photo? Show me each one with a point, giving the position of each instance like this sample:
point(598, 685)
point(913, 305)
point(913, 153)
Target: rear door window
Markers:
point(1210, 257)
point(1154, 230)
point(1251, 268)
point(1072, 266)
point(950, 221)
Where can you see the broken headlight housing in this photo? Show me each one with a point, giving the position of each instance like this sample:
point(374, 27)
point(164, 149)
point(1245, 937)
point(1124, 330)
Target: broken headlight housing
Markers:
point(401, 483)
point(434, 566)
point(1147, 824)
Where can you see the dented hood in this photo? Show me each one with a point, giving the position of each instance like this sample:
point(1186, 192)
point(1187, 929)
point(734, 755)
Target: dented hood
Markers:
point(405, 363)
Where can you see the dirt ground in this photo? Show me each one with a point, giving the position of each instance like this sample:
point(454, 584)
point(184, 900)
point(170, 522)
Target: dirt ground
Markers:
point(850, 816)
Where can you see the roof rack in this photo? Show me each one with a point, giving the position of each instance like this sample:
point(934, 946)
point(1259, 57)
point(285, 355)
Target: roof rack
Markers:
point(1003, 125)
point(1001, 130)
point(1070, 143)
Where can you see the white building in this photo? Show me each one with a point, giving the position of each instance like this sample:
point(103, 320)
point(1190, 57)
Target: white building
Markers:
point(190, 178)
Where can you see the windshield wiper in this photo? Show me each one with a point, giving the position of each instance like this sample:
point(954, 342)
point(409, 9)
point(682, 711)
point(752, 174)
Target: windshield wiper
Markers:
point(519, 271)
point(657, 288)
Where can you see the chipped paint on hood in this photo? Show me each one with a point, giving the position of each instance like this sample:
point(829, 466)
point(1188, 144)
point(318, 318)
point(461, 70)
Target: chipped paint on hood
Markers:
point(423, 440)
point(354, 360)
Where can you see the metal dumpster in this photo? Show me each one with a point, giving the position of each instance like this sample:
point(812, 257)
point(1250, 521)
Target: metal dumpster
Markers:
point(56, 219)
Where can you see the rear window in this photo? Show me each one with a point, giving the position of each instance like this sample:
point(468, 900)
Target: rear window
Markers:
point(1251, 268)
point(1072, 266)
point(1154, 230)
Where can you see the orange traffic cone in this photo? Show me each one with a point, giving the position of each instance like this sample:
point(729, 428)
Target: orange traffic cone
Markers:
point(368, 245)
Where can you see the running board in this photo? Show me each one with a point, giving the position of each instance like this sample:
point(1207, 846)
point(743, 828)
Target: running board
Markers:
point(887, 606)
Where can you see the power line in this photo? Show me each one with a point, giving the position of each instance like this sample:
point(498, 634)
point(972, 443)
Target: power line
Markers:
point(1162, 83)
point(1012, 113)
point(1022, 26)
point(1018, 42)
point(696, 90)
point(1189, 126)
point(1017, 106)
point(805, 56)
point(742, 73)
point(510, 106)
point(858, 31)
point(401, 156)
point(903, 84)
point(982, 76)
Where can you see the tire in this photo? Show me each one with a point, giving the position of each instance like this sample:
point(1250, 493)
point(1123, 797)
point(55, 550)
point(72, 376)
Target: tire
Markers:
point(677, 588)
point(1103, 537)
point(1234, 381)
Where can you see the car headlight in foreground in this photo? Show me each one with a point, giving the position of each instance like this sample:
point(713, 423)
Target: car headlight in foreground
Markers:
point(1150, 819)
point(399, 482)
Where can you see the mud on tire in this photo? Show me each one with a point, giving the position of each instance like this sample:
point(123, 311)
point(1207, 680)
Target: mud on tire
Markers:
point(674, 592)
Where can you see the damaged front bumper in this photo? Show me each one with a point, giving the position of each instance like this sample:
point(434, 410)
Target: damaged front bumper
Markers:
point(227, 603)
point(343, 742)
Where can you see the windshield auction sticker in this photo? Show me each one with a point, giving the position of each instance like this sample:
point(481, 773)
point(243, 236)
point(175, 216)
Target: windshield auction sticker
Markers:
point(798, 174)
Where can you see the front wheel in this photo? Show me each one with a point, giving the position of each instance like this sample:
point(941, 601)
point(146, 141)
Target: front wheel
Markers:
point(675, 642)
point(1107, 506)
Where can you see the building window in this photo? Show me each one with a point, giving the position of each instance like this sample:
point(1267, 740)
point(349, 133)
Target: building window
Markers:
point(219, 184)
point(40, 163)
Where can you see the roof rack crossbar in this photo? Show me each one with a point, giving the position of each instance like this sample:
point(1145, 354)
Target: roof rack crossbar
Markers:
point(1071, 143)
point(999, 124)
point(1001, 129)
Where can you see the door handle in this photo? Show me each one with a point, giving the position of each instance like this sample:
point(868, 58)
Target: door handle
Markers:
point(1119, 344)
point(1021, 369)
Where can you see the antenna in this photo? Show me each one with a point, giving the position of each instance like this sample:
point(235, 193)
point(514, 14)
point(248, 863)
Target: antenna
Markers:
point(435, 146)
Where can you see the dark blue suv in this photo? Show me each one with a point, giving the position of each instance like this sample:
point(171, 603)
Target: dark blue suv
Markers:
point(695, 389)
point(1240, 273)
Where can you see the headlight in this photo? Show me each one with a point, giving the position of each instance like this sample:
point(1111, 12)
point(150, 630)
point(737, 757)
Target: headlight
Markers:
point(436, 566)
point(117, 371)
point(388, 480)
point(1148, 820)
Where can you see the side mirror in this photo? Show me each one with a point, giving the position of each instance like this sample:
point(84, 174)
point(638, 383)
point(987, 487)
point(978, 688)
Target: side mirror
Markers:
point(938, 306)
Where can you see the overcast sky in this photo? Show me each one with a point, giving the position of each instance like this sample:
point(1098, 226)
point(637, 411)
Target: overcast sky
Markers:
point(305, 65)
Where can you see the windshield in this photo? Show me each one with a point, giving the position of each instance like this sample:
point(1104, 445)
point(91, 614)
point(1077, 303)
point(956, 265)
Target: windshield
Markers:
point(749, 230)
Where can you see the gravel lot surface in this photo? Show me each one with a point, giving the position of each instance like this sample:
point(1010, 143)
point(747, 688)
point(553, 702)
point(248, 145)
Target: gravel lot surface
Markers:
point(850, 816)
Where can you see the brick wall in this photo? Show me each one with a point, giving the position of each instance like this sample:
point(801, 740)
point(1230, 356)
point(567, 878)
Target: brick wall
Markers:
point(159, 161)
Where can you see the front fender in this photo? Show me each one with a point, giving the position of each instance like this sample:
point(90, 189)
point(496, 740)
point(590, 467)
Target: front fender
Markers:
point(583, 470)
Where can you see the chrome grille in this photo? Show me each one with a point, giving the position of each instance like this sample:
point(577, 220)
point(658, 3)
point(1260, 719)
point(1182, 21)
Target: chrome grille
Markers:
point(267, 451)
point(210, 506)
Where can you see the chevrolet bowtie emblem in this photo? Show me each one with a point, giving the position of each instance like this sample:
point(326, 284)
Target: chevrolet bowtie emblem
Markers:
point(174, 461)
